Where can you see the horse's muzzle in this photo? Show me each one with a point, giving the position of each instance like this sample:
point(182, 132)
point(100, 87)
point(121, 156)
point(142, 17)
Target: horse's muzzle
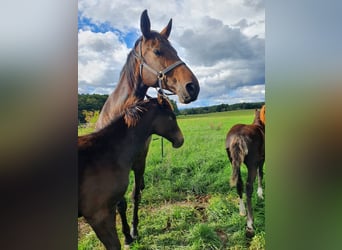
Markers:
point(193, 90)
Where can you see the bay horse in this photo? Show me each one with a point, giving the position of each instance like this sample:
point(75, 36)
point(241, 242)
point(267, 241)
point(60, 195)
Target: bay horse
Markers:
point(152, 62)
point(246, 144)
point(106, 157)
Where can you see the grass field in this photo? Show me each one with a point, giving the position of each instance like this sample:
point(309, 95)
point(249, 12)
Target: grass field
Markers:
point(187, 202)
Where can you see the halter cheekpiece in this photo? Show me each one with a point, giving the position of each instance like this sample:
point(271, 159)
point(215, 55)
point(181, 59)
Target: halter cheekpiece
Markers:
point(161, 75)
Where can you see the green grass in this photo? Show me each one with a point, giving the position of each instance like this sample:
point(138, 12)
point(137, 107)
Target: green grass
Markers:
point(187, 202)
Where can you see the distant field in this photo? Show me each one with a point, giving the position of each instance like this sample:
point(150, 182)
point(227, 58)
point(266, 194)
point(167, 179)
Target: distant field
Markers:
point(187, 202)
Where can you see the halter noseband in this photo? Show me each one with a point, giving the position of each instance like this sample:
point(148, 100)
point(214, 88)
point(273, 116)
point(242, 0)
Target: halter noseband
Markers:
point(161, 75)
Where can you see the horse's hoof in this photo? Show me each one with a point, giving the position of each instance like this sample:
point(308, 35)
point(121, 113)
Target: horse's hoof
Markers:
point(249, 232)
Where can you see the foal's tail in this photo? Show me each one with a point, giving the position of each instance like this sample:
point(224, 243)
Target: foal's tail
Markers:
point(238, 150)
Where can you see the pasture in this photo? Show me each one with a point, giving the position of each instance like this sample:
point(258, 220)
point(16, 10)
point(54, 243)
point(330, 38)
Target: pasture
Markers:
point(187, 202)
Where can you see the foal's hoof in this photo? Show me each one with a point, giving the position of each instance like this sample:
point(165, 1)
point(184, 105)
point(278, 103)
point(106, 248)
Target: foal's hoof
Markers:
point(249, 232)
point(134, 234)
point(128, 240)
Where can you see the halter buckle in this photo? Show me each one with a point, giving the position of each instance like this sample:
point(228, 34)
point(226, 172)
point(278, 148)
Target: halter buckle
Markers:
point(161, 75)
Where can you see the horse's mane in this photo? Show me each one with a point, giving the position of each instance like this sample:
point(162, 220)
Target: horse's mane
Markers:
point(129, 67)
point(134, 108)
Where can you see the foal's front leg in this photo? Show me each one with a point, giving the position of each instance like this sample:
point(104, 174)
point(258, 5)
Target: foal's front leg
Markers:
point(103, 224)
point(122, 209)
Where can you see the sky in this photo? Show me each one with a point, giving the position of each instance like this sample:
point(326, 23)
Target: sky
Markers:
point(221, 41)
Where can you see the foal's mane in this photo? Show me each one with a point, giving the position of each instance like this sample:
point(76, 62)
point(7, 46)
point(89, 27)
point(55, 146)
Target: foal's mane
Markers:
point(263, 114)
point(134, 108)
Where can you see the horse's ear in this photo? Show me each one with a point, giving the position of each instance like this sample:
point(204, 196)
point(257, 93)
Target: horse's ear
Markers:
point(167, 30)
point(160, 99)
point(145, 24)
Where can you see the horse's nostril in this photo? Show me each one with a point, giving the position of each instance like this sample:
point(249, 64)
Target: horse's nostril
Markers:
point(191, 88)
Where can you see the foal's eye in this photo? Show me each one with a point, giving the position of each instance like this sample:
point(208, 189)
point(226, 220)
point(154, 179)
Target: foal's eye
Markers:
point(157, 52)
point(171, 118)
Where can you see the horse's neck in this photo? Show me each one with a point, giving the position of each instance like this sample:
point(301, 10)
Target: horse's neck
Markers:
point(114, 103)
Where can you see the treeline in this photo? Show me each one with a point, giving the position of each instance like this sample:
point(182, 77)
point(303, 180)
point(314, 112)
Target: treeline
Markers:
point(89, 103)
point(221, 108)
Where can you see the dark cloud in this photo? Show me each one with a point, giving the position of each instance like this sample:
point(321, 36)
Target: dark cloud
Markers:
point(215, 41)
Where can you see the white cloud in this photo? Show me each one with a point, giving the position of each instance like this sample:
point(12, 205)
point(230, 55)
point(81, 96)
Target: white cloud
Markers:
point(100, 59)
point(221, 41)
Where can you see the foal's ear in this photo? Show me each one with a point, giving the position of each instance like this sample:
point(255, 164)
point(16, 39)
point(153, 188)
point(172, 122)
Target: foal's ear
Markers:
point(145, 24)
point(167, 30)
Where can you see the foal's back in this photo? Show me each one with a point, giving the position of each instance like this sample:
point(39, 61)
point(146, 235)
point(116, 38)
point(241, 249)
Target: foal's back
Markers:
point(252, 136)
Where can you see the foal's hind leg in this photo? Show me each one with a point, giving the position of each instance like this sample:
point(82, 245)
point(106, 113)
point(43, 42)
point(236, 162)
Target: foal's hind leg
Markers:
point(252, 171)
point(239, 188)
point(122, 208)
point(103, 224)
point(260, 177)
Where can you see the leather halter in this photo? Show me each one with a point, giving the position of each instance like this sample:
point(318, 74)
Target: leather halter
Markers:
point(161, 75)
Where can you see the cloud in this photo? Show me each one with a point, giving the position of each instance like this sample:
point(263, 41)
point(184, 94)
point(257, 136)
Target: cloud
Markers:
point(214, 41)
point(221, 41)
point(100, 60)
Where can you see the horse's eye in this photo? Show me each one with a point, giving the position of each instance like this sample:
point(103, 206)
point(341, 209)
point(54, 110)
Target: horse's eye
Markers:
point(157, 52)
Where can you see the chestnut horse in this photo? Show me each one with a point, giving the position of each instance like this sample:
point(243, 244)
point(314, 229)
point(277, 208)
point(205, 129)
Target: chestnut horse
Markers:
point(153, 62)
point(246, 144)
point(106, 157)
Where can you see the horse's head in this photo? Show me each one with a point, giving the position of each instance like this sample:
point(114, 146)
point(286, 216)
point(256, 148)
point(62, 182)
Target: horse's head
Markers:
point(160, 65)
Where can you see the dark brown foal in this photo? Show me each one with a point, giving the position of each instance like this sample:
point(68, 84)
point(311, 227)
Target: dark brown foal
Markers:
point(106, 157)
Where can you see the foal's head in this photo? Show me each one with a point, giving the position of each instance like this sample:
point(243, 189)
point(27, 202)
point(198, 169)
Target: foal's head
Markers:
point(258, 117)
point(156, 115)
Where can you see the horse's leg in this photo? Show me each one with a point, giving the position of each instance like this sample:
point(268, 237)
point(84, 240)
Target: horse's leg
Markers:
point(260, 177)
point(139, 184)
point(103, 224)
point(122, 208)
point(252, 172)
point(136, 196)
